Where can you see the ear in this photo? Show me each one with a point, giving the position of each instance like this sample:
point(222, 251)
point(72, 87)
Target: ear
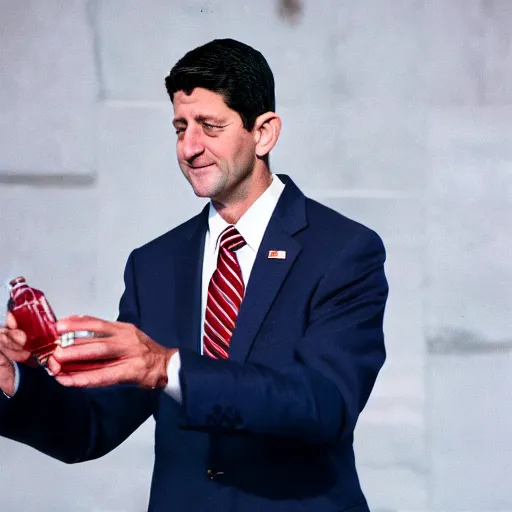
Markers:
point(266, 132)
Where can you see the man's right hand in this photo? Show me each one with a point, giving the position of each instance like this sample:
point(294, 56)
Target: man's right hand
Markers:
point(12, 341)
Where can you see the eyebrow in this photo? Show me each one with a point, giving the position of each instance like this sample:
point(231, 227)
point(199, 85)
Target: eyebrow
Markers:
point(199, 119)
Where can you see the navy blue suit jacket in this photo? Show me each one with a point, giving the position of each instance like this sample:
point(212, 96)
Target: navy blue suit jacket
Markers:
point(269, 429)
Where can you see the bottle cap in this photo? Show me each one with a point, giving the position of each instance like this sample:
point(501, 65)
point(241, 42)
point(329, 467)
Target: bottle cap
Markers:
point(20, 279)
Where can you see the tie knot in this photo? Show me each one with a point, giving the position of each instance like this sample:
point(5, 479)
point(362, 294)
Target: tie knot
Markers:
point(231, 239)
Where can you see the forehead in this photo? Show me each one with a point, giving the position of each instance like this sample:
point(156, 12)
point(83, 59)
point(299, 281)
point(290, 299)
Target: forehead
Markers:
point(200, 102)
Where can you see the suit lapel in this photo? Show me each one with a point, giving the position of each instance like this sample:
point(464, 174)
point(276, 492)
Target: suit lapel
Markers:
point(268, 274)
point(188, 279)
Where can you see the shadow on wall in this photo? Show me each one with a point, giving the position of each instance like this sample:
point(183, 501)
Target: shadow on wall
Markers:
point(290, 10)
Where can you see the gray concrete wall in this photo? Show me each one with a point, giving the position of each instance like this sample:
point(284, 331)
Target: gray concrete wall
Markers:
point(397, 113)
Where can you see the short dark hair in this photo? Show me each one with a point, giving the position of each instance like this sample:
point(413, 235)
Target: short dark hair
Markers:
point(231, 68)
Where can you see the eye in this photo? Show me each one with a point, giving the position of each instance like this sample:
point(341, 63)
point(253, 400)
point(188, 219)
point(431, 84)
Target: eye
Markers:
point(212, 126)
point(179, 130)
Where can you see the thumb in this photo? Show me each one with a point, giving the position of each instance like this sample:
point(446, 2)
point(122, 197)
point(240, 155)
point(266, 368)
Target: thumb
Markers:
point(11, 321)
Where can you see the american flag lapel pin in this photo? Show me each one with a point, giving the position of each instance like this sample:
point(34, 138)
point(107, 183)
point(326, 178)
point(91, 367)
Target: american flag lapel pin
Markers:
point(276, 255)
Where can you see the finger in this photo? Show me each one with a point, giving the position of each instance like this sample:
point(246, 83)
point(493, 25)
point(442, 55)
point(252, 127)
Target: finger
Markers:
point(11, 321)
point(18, 356)
point(74, 338)
point(54, 366)
point(86, 323)
point(88, 351)
point(17, 336)
point(12, 340)
point(95, 378)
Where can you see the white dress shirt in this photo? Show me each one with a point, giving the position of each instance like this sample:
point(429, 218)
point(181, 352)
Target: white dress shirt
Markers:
point(251, 226)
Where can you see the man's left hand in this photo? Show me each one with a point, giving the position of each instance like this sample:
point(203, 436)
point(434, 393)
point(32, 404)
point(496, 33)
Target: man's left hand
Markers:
point(120, 354)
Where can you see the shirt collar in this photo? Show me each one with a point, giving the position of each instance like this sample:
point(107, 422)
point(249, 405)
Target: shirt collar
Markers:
point(254, 221)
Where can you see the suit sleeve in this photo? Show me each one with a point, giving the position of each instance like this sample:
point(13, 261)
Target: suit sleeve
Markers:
point(319, 396)
point(71, 424)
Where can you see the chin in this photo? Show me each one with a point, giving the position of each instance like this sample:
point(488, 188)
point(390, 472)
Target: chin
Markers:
point(203, 190)
point(205, 187)
point(202, 193)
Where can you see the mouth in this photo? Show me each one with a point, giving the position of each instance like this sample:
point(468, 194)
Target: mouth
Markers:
point(200, 166)
point(198, 169)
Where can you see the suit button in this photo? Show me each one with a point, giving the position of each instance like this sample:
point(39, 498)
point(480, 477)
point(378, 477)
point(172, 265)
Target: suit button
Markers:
point(212, 474)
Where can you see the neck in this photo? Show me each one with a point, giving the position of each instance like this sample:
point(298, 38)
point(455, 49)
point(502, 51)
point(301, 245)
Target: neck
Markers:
point(232, 209)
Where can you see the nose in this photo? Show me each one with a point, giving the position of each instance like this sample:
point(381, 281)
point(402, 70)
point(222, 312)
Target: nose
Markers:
point(192, 143)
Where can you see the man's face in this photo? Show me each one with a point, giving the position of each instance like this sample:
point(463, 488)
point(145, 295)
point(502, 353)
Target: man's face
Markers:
point(215, 152)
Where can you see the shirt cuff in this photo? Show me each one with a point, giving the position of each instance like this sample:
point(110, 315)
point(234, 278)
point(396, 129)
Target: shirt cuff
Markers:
point(17, 380)
point(173, 387)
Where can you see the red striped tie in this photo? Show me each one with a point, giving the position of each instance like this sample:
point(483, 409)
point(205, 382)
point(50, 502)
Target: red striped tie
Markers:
point(225, 293)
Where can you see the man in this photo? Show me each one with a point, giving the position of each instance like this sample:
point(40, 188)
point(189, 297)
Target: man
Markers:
point(252, 332)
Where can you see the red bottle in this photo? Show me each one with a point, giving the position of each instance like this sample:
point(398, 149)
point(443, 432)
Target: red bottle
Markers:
point(35, 317)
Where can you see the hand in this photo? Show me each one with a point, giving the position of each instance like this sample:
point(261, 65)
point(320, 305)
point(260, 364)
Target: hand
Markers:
point(12, 341)
point(123, 354)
